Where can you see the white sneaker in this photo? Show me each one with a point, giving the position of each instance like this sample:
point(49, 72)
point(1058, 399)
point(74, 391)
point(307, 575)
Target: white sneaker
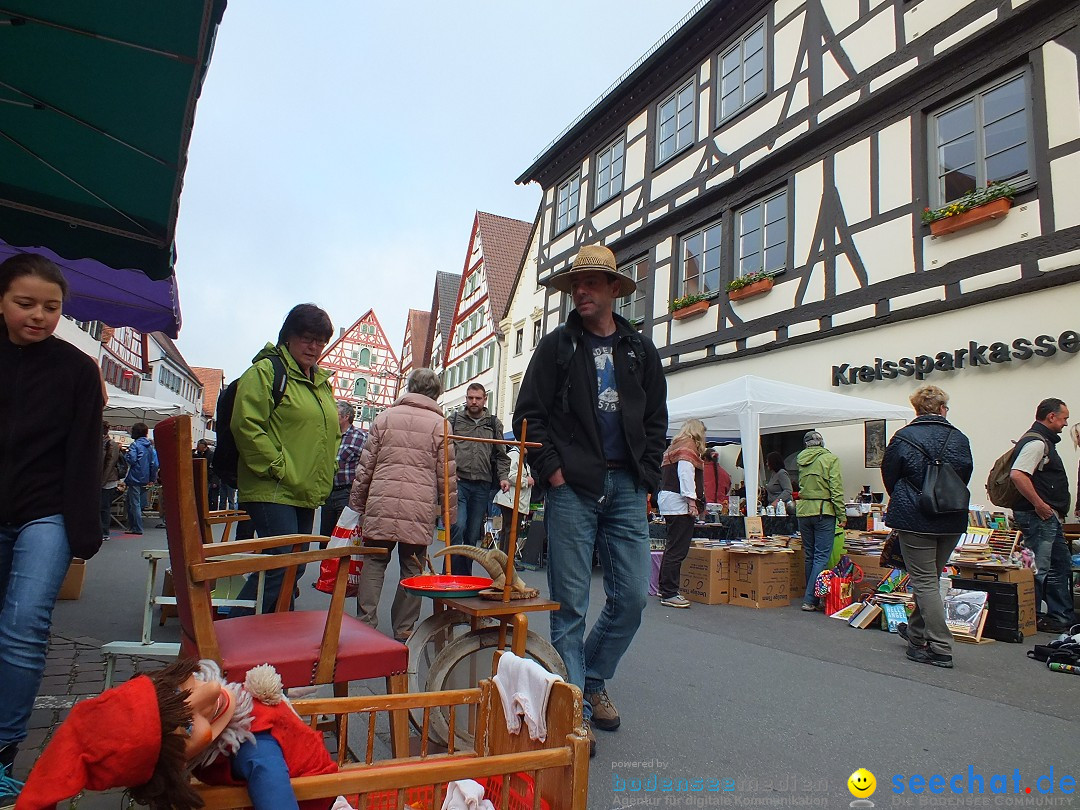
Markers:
point(676, 601)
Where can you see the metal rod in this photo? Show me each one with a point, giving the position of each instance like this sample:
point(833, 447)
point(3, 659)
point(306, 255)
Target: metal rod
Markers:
point(446, 493)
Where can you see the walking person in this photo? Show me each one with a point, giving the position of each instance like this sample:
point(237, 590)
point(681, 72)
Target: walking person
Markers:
point(142, 470)
point(1039, 475)
point(286, 451)
point(348, 457)
point(596, 401)
point(820, 508)
point(926, 541)
point(681, 500)
point(213, 483)
point(504, 498)
point(50, 478)
point(399, 492)
point(110, 478)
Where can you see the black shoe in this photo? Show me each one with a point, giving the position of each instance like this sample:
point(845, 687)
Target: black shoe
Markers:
point(923, 655)
point(902, 631)
point(1046, 625)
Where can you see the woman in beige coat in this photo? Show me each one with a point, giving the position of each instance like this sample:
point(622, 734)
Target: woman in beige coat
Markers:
point(398, 490)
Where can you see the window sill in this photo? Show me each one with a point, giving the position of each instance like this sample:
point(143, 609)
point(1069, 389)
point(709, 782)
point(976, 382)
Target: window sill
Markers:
point(674, 155)
point(732, 117)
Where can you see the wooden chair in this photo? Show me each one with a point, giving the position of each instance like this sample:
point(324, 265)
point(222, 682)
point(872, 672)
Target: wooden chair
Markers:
point(306, 647)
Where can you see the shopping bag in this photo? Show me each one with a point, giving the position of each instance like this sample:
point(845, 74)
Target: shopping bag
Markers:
point(346, 532)
point(837, 585)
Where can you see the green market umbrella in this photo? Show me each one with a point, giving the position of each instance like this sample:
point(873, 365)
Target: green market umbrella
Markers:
point(97, 104)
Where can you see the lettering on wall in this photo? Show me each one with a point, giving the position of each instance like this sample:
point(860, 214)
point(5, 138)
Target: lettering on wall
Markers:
point(974, 354)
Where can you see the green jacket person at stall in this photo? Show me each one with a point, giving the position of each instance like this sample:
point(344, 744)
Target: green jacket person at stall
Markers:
point(287, 451)
point(820, 508)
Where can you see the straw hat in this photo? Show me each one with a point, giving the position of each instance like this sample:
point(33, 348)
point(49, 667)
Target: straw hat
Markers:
point(590, 259)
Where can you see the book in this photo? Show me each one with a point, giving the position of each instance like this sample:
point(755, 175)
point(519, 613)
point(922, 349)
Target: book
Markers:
point(865, 617)
point(963, 611)
point(894, 613)
point(846, 613)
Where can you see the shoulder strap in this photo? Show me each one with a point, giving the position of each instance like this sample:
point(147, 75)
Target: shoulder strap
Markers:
point(922, 450)
point(281, 378)
point(564, 353)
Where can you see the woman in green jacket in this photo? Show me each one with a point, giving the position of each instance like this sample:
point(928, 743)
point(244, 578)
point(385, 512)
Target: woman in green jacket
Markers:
point(820, 508)
point(287, 451)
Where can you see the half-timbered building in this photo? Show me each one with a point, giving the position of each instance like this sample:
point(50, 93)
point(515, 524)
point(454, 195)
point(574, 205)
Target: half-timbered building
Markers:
point(364, 368)
point(492, 261)
point(805, 140)
point(416, 346)
point(443, 300)
point(520, 329)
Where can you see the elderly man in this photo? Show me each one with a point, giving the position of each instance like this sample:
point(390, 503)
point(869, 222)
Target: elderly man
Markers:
point(596, 400)
point(352, 443)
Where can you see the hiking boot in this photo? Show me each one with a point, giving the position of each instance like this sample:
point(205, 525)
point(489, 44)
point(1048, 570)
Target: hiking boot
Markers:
point(1046, 625)
point(902, 631)
point(9, 788)
point(604, 713)
point(675, 601)
point(590, 737)
point(924, 655)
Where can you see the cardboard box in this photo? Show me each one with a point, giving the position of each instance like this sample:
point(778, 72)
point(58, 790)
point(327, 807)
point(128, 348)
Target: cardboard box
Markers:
point(873, 573)
point(73, 582)
point(704, 575)
point(760, 580)
point(1024, 578)
point(797, 572)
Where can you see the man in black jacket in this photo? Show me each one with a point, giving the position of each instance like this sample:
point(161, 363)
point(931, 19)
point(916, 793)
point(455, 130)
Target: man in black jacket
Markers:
point(595, 398)
point(1039, 475)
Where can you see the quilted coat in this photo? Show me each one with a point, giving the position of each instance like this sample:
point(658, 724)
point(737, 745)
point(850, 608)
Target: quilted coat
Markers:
point(399, 481)
point(903, 468)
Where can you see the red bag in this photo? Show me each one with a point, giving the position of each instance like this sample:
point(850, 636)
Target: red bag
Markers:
point(841, 591)
point(328, 569)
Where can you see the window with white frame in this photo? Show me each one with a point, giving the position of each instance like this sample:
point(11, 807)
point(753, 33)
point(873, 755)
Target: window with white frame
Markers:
point(675, 122)
point(538, 331)
point(609, 171)
point(742, 72)
point(566, 306)
point(983, 138)
point(699, 261)
point(519, 341)
point(632, 307)
point(567, 203)
point(763, 235)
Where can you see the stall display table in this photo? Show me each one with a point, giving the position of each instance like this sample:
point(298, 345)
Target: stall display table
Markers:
point(731, 528)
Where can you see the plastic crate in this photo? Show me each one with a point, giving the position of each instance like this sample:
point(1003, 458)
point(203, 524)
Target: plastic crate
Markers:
point(421, 797)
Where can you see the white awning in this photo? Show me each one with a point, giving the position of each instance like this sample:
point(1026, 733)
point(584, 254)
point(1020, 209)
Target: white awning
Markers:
point(124, 409)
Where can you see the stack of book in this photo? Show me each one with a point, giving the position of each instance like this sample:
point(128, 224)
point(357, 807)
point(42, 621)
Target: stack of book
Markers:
point(865, 543)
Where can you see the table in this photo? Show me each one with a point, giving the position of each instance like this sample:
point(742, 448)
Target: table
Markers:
point(731, 528)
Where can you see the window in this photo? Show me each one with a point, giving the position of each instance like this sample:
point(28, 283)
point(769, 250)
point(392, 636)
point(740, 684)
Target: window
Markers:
point(675, 122)
point(360, 388)
point(699, 264)
point(566, 306)
point(538, 332)
point(632, 307)
point(981, 139)
point(742, 72)
point(365, 357)
point(515, 389)
point(763, 236)
point(567, 210)
point(519, 341)
point(609, 171)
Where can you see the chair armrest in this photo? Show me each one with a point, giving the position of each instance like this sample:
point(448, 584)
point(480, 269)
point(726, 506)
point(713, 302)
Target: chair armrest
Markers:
point(263, 543)
point(228, 565)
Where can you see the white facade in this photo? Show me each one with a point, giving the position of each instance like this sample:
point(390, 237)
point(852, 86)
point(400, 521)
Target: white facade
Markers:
point(521, 329)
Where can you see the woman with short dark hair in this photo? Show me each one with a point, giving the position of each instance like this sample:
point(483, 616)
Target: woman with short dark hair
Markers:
point(778, 485)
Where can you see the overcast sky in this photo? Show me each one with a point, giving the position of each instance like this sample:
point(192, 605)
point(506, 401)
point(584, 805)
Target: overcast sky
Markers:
point(341, 149)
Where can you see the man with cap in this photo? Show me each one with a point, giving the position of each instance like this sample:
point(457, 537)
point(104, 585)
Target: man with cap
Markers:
point(819, 509)
point(595, 399)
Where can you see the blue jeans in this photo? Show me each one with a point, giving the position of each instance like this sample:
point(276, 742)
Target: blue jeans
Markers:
point(34, 558)
point(1053, 565)
point(134, 508)
point(616, 526)
point(270, 520)
point(818, 533)
point(226, 497)
point(473, 499)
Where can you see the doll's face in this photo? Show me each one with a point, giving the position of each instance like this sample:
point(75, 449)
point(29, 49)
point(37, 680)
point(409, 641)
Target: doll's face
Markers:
point(212, 708)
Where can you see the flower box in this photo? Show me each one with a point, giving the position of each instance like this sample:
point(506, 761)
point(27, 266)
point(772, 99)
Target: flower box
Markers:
point(750, 290)
point(691, 310)
point(974, 216)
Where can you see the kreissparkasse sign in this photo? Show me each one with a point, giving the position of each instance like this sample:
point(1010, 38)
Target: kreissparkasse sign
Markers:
point(974, 354)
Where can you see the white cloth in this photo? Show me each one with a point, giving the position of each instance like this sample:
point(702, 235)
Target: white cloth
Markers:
point(675, 503)
point(507, 498)
point(524, 687)
point(340, 803)
point(466, 794)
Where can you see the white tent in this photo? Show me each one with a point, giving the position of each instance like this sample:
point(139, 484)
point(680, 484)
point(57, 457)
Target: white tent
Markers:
point(124, 409)
point(749, 406)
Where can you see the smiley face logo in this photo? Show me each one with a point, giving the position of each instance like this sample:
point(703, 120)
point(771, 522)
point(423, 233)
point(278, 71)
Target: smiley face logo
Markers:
point(862, 784)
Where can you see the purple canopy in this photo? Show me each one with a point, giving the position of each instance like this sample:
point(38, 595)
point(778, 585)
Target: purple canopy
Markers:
point(114, 297)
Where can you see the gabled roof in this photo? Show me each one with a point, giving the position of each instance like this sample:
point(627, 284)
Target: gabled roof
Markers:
point(169, 349)
point(443, 303)
point(419, 329)
point(212, 380)
point(504, 242)
point(521, 264)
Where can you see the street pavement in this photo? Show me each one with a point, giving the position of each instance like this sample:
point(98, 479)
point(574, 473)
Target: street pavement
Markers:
point(736, 707)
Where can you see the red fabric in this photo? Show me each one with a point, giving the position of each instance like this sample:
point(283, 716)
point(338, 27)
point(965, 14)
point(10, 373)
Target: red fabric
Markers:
point(717, 482)
point(290, 642)
point(109, 741)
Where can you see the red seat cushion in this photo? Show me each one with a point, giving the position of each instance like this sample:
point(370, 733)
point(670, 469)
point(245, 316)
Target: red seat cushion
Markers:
point(290, 643)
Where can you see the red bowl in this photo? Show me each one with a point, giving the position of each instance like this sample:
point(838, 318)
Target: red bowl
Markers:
point(446, 585)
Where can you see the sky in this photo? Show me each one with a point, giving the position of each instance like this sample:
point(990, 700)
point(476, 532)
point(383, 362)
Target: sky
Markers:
point(341, 149)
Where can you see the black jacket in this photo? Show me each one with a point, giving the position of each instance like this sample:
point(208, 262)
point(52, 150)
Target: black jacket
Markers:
point(1051, 482)
point(558, 397)
point(903, 468)
point(50, 438)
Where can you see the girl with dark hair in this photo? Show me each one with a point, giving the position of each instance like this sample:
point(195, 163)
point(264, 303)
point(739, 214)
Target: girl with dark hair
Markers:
point(50, 480)
point(288, 450)
point(778, 485)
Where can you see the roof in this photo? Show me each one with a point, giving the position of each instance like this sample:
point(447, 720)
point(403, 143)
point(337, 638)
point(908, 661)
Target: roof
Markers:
point(521, 264)
point(213, 380)
point(419, 325)
point(169, 349)
point(443, 303)
point(505, 241)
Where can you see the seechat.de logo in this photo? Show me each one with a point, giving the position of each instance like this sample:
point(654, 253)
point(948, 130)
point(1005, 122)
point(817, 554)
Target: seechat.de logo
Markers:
point(862, 785)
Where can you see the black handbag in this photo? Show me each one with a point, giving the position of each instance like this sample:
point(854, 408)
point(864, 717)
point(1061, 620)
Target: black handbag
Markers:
point(891, 554)
point(943, 492)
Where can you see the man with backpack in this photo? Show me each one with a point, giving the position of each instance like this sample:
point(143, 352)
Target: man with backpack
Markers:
point(1039, 510)
point(481, 468)
point(595, 399)
point(142, 470)
point(111, 473)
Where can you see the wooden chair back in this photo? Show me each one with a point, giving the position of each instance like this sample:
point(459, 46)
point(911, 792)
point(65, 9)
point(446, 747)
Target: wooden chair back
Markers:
point(210, 517)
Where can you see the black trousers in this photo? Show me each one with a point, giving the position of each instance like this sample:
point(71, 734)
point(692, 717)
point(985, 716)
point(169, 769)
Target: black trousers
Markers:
point(332, 509)
point(680, 531)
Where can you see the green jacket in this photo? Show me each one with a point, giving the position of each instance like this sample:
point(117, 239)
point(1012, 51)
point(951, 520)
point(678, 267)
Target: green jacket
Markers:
point(821, 488)
point(288, 453)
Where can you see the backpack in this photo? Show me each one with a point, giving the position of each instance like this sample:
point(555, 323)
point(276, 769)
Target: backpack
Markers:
point(121, 465)
point(226, 455)
point(999, 486)
point(943, 492)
